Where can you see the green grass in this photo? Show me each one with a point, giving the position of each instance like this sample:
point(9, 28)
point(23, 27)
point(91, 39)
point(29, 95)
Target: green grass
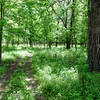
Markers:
point(17, 87)
point(64, 75)
point(61, 74)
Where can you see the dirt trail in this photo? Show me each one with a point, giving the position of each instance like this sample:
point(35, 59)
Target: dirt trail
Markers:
point(6, 77)
point(32, 83)
point(11, 68)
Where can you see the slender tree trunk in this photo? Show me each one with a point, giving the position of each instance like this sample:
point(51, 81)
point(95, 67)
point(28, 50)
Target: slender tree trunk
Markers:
point(1, 31)
point(30, 41)
point(72, 16)
point(71, 25)
point(13, 42)
point(94, 35)
point(68, 41)
point(68, 44)
point(49, 44)
point(56, 44)
point(65, 22)
point(57, 35)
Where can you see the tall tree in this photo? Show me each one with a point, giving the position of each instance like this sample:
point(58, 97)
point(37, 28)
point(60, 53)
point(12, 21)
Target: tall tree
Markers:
point(63, 16)
point(1, 26)
point(94, 35)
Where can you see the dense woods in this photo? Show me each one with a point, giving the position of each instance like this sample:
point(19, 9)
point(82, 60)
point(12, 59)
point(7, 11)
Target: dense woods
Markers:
point(44, 22)
point(49, 50)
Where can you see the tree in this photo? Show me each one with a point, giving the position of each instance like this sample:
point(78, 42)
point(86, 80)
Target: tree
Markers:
point(63, 16)
point(94, 35)
point(2, 2)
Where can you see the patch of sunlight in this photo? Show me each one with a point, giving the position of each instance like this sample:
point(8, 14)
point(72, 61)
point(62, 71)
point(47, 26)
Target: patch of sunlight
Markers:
point(63, 53)
point(19, 52)
point(46, 72)
point(29, 88)
point(29, 79)
point(19, 47)
point(71, 74)
point(25, 53)
point(7, 56)
point(59, 46)
point(63, 76)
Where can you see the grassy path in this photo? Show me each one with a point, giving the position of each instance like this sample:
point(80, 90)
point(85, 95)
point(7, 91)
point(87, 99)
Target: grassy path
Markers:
point(6, 77)
point(18, 83)
point(32, 82)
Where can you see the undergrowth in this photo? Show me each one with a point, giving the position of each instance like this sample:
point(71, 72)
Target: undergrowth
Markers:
point(17, 86)
point(61, 74)
point(64, 75)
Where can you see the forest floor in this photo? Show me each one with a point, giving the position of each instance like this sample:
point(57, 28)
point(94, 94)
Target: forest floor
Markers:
point(47, 74)
point(19, 64)
point(6, 77)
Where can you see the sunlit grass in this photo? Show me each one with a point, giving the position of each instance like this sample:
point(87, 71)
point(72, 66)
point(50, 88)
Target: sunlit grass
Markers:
point(59, 73)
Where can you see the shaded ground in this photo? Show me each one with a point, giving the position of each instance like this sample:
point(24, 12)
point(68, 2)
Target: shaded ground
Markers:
point(6, 77)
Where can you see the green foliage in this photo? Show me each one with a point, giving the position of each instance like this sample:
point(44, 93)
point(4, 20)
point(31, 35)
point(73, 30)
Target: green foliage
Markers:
point(62, 74)
point(36, 21)
point(2, 22)
point(2, 70)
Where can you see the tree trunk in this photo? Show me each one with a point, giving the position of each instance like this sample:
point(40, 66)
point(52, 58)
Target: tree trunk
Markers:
point(49, 44)
point(1, 31)
point(56, 44)
point(68, 44)
point(57, 35)
point(30, 41)
point(71, 24)
point(13, 42)
point(94, 35)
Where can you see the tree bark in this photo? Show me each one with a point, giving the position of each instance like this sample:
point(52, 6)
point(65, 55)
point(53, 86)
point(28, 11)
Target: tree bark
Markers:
point(57, 35)
point(1, 31)
point(30, 42)
point(94, 35)
point(49, 44)
point(68, 42)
